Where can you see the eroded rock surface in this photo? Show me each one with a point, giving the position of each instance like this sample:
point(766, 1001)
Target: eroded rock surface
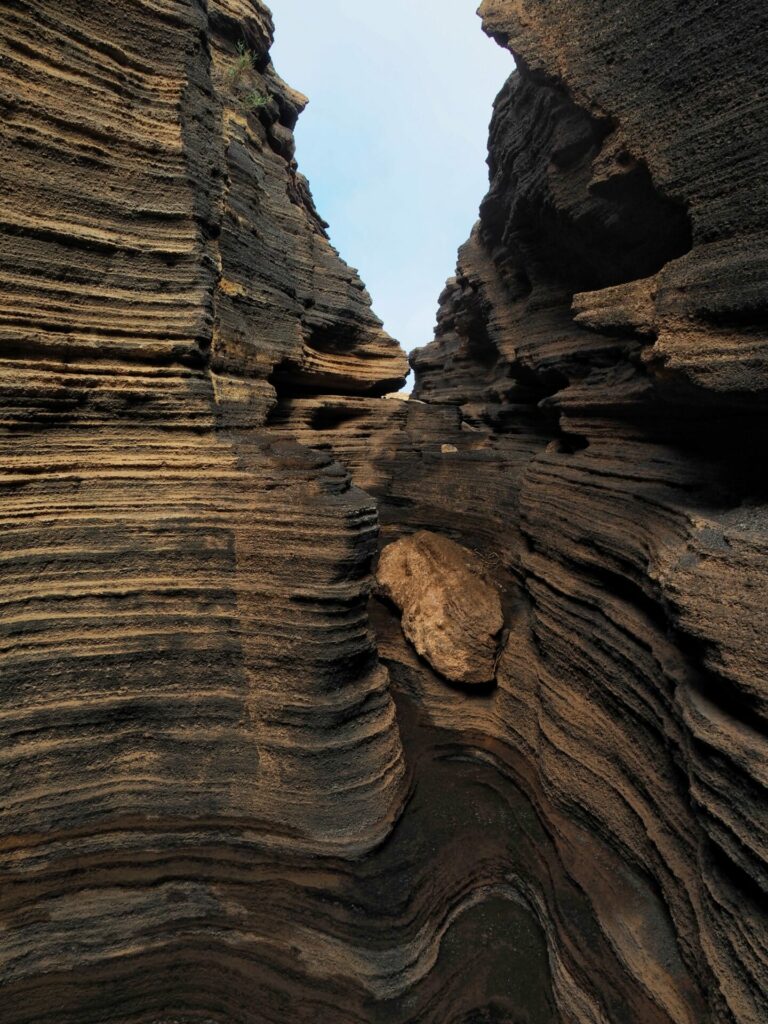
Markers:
point(590, 416)
point(218, 803)
point(451, 611)
point(189, 691)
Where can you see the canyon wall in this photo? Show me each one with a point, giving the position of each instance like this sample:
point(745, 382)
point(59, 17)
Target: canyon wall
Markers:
point(192, 707)
point(590, 421)
point(232, 790)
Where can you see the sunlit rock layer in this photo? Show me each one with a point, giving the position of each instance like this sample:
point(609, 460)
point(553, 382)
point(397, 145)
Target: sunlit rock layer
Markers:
point(233, 790)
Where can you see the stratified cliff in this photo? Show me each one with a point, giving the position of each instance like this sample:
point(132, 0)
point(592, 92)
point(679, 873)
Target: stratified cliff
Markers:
point(590, 421)
point(606, 331)
point(220, 801)
point(192, 708)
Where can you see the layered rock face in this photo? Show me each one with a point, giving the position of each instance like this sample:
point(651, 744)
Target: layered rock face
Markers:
point(589, 420)
point(190, 691)
point(606, 333)
point(219, 804)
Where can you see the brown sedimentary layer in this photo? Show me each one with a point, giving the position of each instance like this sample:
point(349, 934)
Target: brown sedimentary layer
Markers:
point(611, 306)
point(190, 692)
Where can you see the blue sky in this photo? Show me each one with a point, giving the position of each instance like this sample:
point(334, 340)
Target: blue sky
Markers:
point(394, 139)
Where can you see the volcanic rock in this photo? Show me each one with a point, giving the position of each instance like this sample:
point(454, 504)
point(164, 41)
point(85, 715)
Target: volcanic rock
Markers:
point(232, 792)
point(600, 366)
point(451, 612)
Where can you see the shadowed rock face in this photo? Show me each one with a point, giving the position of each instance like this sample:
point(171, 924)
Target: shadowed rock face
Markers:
point(219, 802)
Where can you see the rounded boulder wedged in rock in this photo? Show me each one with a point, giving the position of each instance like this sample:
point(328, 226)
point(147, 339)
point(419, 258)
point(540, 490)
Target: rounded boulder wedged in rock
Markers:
point(451, 611)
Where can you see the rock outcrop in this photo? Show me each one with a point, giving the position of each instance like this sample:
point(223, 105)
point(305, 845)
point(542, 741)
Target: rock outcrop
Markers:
point(606, 334)
point(189, 690)
point(224, 798)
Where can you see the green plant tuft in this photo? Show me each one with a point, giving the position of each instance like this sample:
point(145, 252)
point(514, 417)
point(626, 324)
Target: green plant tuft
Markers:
point(254, 100)
point(245, 62)
point(240, 78)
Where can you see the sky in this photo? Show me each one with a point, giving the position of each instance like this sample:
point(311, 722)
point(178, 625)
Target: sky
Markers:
point(394, 139)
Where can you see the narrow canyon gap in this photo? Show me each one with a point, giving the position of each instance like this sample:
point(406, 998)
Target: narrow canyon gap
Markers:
point(234, 790)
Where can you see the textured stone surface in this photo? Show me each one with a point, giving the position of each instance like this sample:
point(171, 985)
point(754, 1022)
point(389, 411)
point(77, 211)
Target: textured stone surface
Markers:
point(217, 803)
point(208, 811)
point(189, 691)
point(607, 324)
point(599, 369)
point(451, 611)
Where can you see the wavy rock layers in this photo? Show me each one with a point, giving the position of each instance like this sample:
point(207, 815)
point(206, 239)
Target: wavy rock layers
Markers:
point(207, 814)
point(215, 804)
point(193, 714)
point(589, 421)
point(606, 335)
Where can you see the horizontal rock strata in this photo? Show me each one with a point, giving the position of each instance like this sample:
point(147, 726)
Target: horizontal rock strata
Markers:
point(609, 311)
point(589, 419)
point(193, 714)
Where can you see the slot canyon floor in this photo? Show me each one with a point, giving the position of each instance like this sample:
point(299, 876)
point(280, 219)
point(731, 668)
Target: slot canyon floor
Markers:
point(319, 705)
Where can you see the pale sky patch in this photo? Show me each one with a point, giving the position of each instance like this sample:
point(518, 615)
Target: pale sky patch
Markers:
point(394, 140)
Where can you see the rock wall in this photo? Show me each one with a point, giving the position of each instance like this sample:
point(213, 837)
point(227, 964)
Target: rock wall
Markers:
point(192, 707)
point(218, 802)
point(607, 332)
point(589, 420)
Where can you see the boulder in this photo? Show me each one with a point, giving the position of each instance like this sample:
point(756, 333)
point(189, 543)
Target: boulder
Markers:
point(451, 611)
